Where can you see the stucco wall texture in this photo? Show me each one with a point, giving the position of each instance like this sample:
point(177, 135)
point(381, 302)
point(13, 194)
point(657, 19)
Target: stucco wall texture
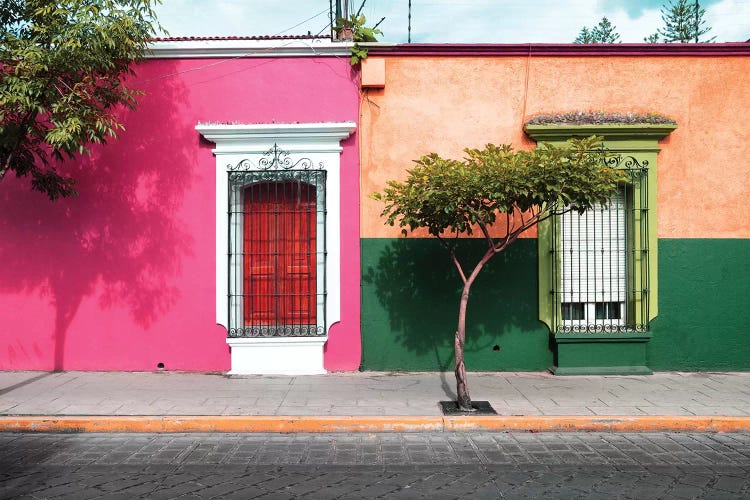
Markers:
point(123, 276)
point(449, 102)
point(444, 104)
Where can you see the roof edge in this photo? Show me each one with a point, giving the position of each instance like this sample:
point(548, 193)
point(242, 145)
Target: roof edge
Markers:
point(246, 47)
point(238, 37)
point(560, 49)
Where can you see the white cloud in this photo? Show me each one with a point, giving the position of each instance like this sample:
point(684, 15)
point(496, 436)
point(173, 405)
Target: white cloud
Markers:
point(242, 17)
point(634, 30)
point(448, 21)
point(729, 20)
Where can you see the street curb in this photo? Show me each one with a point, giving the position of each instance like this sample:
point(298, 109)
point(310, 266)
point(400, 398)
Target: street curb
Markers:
point(291, 424)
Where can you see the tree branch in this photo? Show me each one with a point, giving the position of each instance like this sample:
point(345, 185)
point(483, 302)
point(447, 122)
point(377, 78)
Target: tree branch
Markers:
point(490, 240)
point(30, 115)
point(6, 165)
point(452, 252)
point(485, 258)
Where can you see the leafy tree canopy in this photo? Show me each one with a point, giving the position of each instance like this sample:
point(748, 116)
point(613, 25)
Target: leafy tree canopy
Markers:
point(462, 195)
point(61, 69)
point(604, 32)
point(521, 188)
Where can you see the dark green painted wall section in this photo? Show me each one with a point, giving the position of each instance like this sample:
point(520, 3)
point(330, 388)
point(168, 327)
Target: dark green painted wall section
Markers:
point(704, 306)
point(410, 294)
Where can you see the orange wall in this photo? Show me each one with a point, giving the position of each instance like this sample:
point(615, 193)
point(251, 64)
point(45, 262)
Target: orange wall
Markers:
point(446, 103)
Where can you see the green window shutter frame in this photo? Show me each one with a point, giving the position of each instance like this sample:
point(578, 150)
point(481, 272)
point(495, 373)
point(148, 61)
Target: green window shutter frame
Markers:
point(638, 141)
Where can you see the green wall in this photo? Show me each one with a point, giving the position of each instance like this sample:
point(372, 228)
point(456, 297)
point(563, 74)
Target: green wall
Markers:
point(410, 292)
point(704, 297)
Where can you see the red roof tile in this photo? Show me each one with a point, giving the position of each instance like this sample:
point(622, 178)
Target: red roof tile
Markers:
point(253, 37)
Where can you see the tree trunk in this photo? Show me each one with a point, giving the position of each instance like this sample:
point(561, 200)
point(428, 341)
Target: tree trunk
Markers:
point(6, 165)
point(462, 388)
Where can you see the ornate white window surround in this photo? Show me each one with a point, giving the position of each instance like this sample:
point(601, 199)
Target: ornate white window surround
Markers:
point(248, 144)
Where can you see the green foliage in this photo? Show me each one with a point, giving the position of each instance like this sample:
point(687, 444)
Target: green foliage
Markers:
point(61, 80)
point(584, 36)
point(600, 118)
point(459, 195)
point(683, 22)
point(604, 32)
point(653, 38)
point(360, 33)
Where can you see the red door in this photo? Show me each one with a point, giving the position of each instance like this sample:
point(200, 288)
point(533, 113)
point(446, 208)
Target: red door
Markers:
point(280, 259)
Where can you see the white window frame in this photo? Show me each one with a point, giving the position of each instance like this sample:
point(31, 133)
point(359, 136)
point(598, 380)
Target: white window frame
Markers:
point(249, 143)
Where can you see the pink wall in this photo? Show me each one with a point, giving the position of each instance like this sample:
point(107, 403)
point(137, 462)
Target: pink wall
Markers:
point(122, 277)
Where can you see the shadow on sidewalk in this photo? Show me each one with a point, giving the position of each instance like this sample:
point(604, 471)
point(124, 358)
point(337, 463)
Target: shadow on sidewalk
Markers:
point(10, 388)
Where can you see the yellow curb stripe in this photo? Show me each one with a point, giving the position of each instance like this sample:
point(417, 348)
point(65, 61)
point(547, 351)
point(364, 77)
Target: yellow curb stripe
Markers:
point(548, 423)
point(287, 424)
point(219, 424)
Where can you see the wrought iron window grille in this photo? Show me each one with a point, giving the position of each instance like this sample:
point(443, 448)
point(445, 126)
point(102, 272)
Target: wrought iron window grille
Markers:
point(276, 216)
point(600, 260)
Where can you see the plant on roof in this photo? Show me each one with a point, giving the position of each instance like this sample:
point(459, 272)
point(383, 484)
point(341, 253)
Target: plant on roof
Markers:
point(496, 185)
point(599, 118)
point(360, 33)
point(61, 69)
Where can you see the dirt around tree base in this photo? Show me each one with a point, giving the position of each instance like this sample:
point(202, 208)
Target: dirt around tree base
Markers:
point(478, 408)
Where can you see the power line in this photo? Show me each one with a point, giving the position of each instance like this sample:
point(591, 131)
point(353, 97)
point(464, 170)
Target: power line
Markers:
point(303, 22)
point(230, 59)
point(224, 61)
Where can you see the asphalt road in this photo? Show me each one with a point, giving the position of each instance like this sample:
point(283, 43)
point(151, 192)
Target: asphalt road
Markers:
point(424, 465)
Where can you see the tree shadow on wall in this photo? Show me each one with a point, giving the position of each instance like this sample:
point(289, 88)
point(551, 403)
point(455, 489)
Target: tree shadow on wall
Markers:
point(120, 238)
point(419, 288)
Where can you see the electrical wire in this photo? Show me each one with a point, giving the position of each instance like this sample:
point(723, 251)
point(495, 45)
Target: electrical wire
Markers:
point(303, 22)
point(246, 54)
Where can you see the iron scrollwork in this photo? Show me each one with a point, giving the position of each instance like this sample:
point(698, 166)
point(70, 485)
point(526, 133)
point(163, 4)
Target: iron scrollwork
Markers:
point(602, 328)
point(277, 331)
point(275, 159)
point(634, 169)
point(314, 177)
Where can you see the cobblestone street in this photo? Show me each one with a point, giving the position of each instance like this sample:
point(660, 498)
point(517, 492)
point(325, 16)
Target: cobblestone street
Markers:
point(423, 465)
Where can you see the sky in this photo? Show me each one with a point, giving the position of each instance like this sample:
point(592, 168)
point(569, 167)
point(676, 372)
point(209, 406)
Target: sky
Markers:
point(447, 21)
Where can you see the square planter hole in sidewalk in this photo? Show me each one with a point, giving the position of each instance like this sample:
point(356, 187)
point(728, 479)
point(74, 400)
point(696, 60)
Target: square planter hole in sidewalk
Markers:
point(480, 408)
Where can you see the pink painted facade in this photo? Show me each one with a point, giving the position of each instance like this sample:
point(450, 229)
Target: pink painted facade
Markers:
point(123, 276)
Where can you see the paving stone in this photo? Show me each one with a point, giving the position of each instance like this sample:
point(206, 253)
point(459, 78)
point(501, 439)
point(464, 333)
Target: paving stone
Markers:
point(561, 465)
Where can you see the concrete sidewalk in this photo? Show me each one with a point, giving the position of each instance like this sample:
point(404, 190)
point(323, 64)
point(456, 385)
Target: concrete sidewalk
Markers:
point(369, 401)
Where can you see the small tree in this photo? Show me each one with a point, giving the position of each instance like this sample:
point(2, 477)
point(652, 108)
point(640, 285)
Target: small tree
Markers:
point(61, 80)
point(604, 32)
point(683, 22)
point(585, 36)
point(520, 188)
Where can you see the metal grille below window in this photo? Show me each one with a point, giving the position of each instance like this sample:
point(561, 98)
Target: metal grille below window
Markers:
point(277, 253)
point(600, 263)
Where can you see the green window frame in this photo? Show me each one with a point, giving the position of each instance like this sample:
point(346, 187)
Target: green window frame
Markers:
point(636, 147)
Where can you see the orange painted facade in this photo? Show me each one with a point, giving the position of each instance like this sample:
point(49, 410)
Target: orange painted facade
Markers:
point(443, 104)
